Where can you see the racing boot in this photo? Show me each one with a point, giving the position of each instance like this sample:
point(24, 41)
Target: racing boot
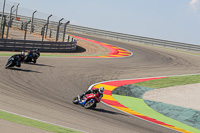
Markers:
point(18, 64)
point(34, 61)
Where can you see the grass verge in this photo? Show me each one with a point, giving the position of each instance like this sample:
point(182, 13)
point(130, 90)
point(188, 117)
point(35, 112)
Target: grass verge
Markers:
point(177, 50)
point(170, 81)
point(35, 123)
point(140, 106)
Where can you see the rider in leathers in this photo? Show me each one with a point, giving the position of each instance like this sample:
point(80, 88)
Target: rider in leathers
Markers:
point(93, 91)
point(35, 54)
point(18, 58)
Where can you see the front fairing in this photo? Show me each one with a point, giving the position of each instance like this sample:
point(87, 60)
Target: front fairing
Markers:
point(10, 59)
point(86, 98)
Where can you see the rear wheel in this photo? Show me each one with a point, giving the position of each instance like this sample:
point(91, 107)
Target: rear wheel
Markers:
point(75, 101)
point(89, 104)
point(94, 106)
point(27, 59)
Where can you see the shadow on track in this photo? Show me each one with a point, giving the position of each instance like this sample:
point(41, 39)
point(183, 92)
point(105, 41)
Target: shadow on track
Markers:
point(79, 49)
point(23, 70)
point(109, 112)
point(38, 64)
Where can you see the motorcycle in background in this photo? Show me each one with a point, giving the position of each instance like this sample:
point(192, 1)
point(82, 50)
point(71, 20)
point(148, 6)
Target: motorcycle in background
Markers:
point(31, 58)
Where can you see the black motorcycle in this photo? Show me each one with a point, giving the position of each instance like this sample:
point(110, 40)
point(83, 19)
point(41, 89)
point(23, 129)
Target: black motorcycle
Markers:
point(31, 58)
point(11, 62)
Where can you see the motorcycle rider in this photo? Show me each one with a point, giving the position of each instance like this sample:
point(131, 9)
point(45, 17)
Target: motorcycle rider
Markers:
point(35, 54)
point(94, 91)
point(18, 58)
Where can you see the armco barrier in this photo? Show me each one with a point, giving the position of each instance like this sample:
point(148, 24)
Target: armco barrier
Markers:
point(44, 46)
point(133, 38)
point(39, 23)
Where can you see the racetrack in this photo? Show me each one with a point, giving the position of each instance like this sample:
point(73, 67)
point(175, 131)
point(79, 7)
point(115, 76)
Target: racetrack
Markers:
point(45, 91)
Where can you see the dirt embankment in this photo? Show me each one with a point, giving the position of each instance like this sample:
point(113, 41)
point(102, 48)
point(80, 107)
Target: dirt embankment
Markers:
point(83, 47)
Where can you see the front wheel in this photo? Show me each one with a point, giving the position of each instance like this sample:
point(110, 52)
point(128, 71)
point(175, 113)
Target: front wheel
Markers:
point(89, 104)
point(9, 64)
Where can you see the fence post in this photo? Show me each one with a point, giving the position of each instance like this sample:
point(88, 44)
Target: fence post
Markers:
point(16, 11)
point(65, 30)
point(164, 43)
point(58, 28)
point(50, 35)
point(4, 25)
point(2, 15)
point(26, 29)
point(47, 25)
point(9, 23)
point(22, 26)
point(68, 38)
point(43, 31)
point(32, 20)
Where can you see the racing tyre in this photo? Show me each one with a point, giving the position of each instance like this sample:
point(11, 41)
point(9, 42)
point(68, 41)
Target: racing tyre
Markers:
point(94, 106)
point(89, 104)
point(9, 64)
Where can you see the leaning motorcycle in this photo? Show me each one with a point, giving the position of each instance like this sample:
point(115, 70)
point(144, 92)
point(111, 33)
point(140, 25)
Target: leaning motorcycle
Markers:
point(88, 101)
point(11, 62)
point(30, 58)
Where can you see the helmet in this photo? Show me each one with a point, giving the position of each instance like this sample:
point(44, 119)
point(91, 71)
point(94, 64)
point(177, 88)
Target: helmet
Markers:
point(101, 89)
point(22, 53)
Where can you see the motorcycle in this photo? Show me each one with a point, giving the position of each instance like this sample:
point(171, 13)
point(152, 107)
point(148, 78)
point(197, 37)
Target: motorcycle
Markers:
point(31, 58)
point(88, 101)
point(11, 62)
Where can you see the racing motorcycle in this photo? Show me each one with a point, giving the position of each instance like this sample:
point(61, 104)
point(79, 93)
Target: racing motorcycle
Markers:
point(88, 101)
point(11, 62)
point(31, 58)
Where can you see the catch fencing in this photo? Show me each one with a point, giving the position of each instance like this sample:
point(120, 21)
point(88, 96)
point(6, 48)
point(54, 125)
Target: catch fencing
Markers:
point(52, 33)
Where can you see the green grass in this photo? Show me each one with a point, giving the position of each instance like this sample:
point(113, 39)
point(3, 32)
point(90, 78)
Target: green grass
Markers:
point(172, 49)
point(34, 123)
point(170, 81)
point(188, 52)
point(140, 106)
point(178, 50)
point(7, 54)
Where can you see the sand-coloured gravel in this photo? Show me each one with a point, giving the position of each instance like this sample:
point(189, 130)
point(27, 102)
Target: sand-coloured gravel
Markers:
point(187, 96)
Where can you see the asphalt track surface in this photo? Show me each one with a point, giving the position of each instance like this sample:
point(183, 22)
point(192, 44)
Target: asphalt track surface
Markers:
point(45, 91)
